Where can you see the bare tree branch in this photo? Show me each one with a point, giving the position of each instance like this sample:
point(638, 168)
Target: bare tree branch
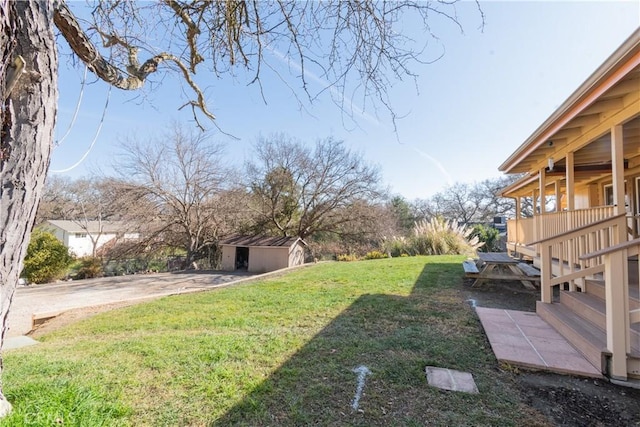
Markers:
point(350, 50)
point(299, 192)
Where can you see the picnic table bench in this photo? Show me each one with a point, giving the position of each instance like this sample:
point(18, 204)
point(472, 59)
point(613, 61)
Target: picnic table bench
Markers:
point(500, 266)
point(528, 269)
point(470, 267)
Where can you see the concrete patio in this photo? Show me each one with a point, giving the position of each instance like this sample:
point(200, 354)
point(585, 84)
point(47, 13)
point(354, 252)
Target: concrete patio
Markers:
point(523, 339)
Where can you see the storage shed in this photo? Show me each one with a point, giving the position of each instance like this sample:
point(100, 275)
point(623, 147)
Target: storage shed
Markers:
point(260, 254)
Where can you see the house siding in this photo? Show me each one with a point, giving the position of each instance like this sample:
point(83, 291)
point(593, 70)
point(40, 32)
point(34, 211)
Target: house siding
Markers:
point(83, 246)
point(582, 198)
point(296, 255)
point(228, 258)
point(262, 260)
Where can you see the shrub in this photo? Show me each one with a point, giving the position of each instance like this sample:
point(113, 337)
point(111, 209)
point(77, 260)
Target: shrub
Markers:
point(47, 258)
point(488, 235)
point(375, 255)
point(88, 268)
point(347, 257)
point(157, 265)
point(397, 246)
point(441, 237)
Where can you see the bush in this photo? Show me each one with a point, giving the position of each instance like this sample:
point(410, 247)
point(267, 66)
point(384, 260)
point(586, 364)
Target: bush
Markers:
point(157, 265)
point(347, 257)
point(397, 246)
point(489, 236)
point(47, 258)
point(375, 255)
point(133, 266)
point(89, 268)
point(441, 237)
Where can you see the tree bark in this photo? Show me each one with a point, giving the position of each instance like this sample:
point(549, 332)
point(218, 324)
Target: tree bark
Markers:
point(29, 115)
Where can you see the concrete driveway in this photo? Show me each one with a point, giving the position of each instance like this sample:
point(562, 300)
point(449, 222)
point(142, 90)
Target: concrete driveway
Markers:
point(60, 297)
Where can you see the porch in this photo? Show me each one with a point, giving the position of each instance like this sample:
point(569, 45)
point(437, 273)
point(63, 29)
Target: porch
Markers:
point(589, 291)
point(577, 205)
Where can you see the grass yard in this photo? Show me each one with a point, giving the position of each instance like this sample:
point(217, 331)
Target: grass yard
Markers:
point(278, 352)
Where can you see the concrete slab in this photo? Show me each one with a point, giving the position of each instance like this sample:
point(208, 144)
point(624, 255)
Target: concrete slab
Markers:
point(55, 298)
point(17, 342)
point(522, 338)
point(449, 379)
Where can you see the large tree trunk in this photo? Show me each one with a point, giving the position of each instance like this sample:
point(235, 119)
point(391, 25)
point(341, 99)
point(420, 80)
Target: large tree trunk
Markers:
point(29, 114)
point(7, 45)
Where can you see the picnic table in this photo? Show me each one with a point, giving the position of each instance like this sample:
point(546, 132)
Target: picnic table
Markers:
point(500, 266)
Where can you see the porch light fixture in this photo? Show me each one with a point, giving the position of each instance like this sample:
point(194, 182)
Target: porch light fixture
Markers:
point(550, 163)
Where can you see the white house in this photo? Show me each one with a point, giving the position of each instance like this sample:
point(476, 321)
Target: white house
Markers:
point(86, 237)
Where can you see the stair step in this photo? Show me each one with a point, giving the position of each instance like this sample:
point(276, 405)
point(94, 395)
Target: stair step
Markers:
point(593, 309)
point(586, 337)
point(633, 366)
point(596, 288)
point(587, 306)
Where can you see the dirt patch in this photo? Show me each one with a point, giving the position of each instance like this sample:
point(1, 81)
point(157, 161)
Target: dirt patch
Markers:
point(572, 402)
point(564, 400)
point(507, 295)
point(71, 316)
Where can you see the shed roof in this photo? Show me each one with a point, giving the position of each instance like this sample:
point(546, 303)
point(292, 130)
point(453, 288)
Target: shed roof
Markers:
point(261, 241)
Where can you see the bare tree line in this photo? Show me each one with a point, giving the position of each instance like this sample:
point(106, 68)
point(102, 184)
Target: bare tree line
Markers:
point(178, 191)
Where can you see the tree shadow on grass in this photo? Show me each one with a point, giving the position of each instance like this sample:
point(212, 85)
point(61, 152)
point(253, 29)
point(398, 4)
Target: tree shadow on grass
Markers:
point(395, 337)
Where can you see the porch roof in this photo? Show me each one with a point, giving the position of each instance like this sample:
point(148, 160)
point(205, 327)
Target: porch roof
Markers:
point(610, 96)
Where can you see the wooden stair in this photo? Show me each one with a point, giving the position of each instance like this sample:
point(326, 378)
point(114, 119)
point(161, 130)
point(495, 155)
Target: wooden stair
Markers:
point(580, 318)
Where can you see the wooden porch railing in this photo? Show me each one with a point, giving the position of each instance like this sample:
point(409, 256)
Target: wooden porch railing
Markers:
point(520, 231)
point(587, 243)
point(547, 225)
point(618, 315)
point(565, 251)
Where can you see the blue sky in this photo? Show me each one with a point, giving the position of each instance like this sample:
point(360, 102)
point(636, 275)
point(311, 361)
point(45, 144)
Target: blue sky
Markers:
point(468, 111)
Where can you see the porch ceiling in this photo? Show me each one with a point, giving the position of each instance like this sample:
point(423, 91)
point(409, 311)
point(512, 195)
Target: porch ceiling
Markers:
point(591, 163)
point(582, 125)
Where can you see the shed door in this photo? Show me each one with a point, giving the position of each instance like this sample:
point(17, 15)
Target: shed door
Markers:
point(242, 258)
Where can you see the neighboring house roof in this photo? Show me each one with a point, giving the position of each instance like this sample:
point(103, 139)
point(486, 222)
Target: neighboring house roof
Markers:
point(614, 79)
point(89, 226)
point(261, 241)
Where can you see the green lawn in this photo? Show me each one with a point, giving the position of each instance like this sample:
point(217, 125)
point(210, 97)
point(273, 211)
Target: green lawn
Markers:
point(278, 352)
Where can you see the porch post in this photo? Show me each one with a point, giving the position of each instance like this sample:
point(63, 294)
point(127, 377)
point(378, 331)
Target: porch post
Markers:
point(571, 207)
point(617, 166)
point(534, 205)
point(518, 238)
point(544, 250)
point(571, 195)
point(543, 185)
point(617, 313)
point(558, 196)
point(616, 270)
